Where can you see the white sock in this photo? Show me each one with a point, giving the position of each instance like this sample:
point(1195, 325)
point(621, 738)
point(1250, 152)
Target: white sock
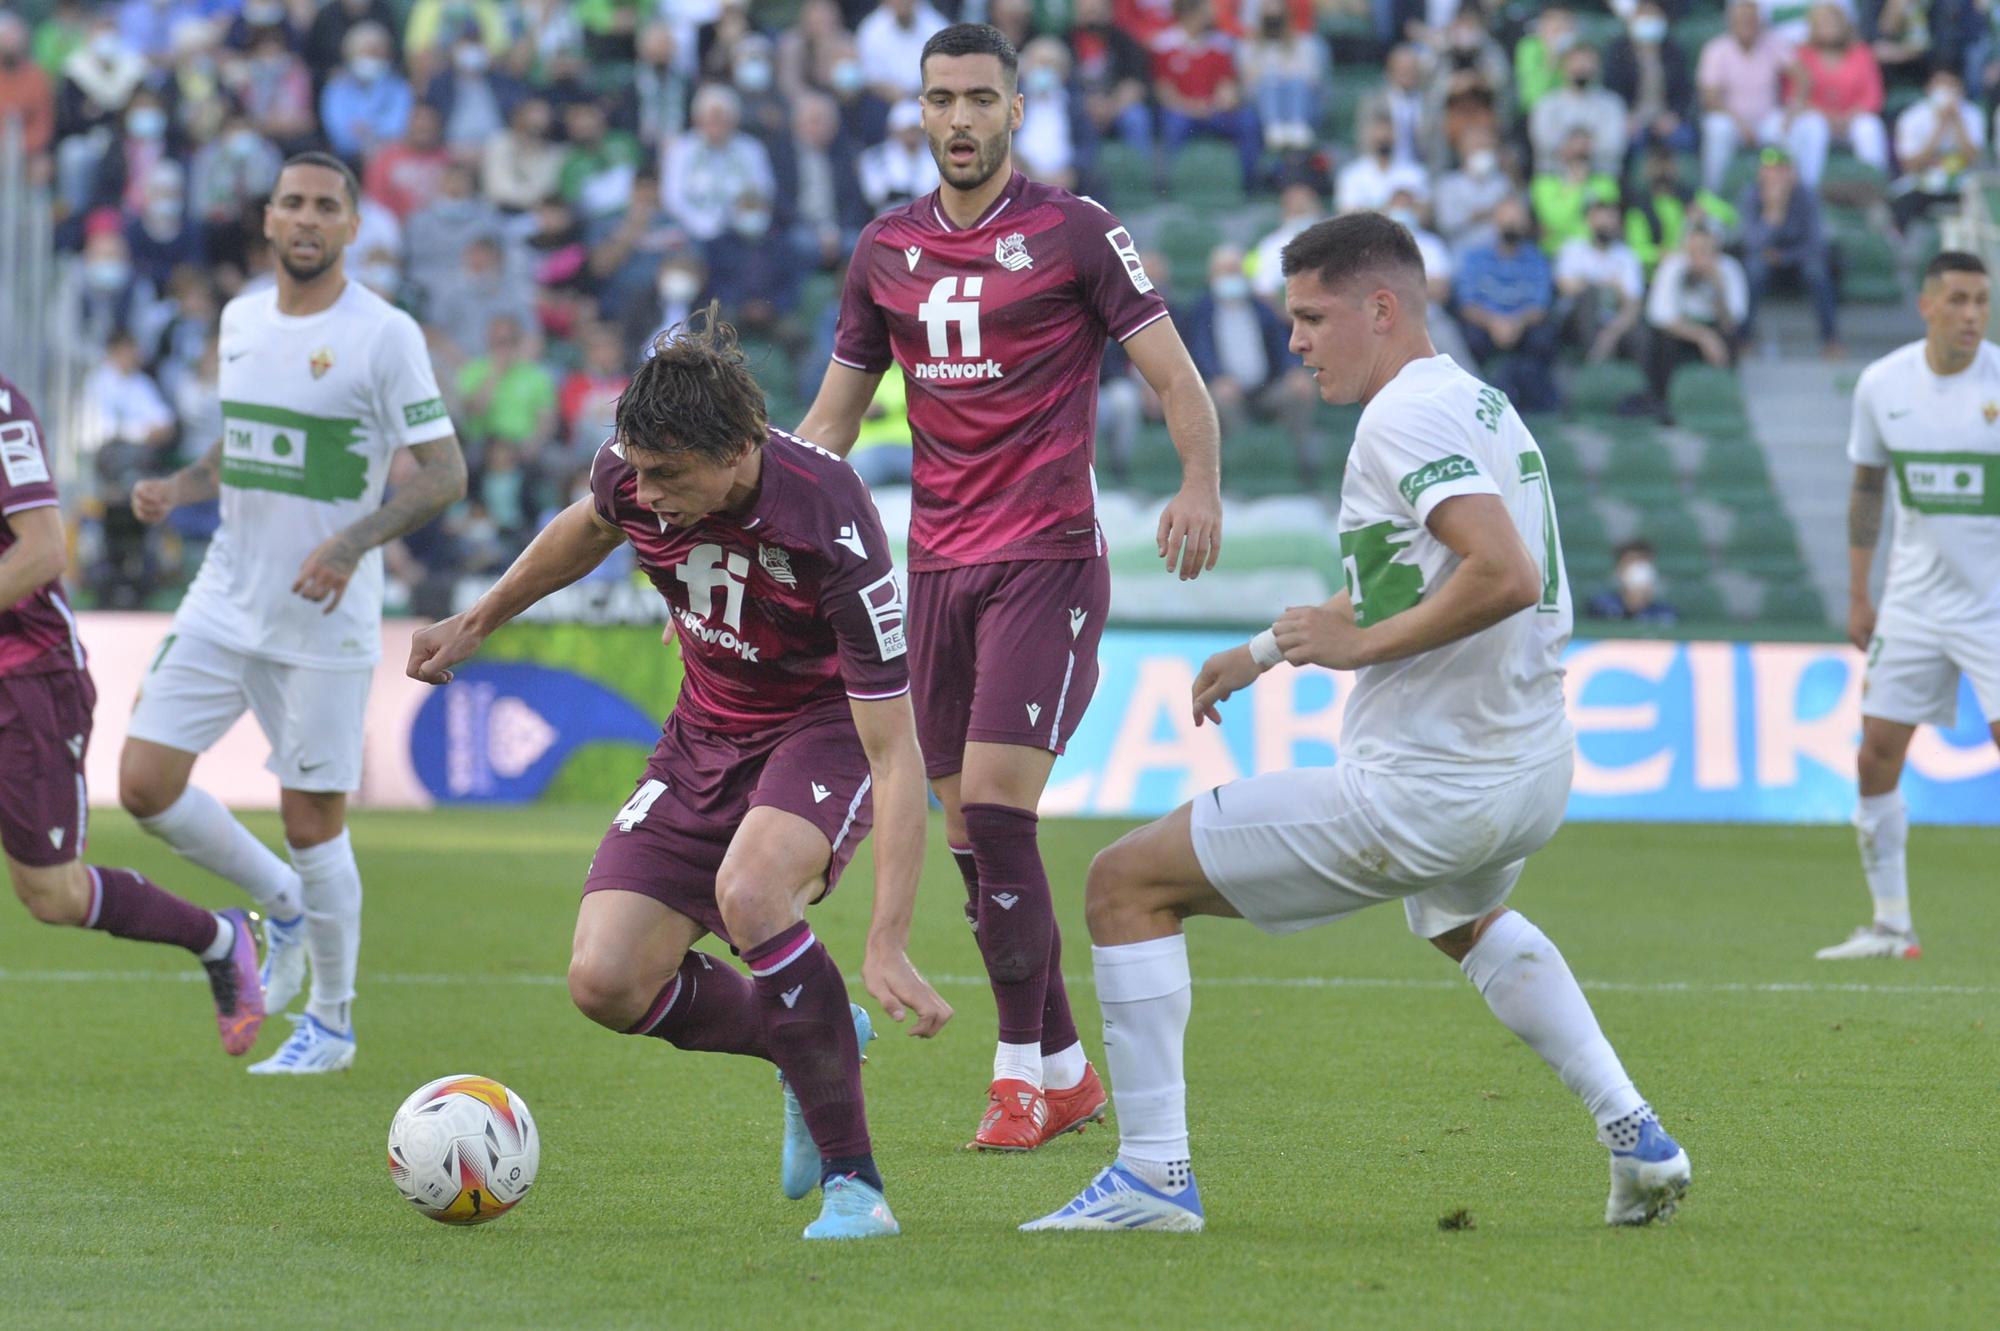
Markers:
point(1146, 994)
point(333, 926)
point(1530, 989)
point(1882, 826)
point(225, 938)
point(202, 831)
point(1019, 1062)
point(1062, 1070)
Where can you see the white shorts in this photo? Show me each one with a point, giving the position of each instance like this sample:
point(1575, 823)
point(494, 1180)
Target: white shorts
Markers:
point(196, 689)
point(1294, 849)
point(1913, 671)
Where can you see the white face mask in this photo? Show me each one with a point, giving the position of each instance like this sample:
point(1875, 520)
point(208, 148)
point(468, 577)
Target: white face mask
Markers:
point(1482, 162)
point(1231, 286)
point(1406, 216)
point(679, 285)
point(754, 75)
point(753, 223)
point(1639, 578)
point(106, 46)
point(1942, 98)
point(368, 68)
point(469, 59)
point(1650, 29)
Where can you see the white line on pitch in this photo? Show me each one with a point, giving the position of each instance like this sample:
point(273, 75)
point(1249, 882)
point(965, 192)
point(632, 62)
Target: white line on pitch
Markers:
point(1212, 982)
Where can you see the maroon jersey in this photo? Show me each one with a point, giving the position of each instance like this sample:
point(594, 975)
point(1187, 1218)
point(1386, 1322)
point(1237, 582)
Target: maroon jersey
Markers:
point(39, 634)
point(788, 609)
point(999, 329)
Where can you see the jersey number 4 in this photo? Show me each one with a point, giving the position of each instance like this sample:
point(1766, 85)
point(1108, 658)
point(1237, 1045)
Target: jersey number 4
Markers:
point(944, 309)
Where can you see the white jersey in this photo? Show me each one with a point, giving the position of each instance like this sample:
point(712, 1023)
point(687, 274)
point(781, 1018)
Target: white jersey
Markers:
point(312, 409)
point(1940, 435)
point(1491, 702)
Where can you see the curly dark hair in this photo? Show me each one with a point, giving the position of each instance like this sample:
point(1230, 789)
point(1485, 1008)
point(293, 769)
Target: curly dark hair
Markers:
point(694, 393)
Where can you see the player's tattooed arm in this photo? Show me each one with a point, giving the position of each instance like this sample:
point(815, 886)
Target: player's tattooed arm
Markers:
point(834, 420)
point(1864, 531)
point(1190, 532)
point(437, 484)
point(196, 483)
point(888, 731)
point(575, 542)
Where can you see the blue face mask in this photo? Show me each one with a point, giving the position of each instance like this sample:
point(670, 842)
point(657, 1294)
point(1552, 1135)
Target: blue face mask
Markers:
point(146, 122)
point(1230, 286)
point(1043, 80)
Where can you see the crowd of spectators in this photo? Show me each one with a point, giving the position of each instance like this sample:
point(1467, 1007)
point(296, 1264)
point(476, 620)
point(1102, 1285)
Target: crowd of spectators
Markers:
point(547, 183)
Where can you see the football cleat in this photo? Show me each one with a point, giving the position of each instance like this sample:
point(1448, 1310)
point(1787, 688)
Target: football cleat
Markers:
point(310, 1048)
point(1119, 1199)
point(800, 1161)
point(850, 1209)
point(1016, 1114)
point(284, 972)
point(1648, 1179)
point(1072, 1110)
point(1873, 940)
point(239, 995)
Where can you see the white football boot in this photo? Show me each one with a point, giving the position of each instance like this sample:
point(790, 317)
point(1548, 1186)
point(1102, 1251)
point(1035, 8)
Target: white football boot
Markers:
point(1874, 940)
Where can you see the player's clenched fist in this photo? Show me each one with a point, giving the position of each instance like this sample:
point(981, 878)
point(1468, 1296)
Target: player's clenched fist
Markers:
point(433, 651)
point(153, 499)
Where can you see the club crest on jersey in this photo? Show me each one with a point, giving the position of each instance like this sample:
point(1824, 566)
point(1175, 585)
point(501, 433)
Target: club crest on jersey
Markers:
point(321, 362)
point(777, 562)
point(1011, 253)
point(1991, 411)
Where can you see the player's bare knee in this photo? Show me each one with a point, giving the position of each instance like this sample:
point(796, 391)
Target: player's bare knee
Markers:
point(752, 907)
point(144, 793)
point(1111, 890)
point(604, 992)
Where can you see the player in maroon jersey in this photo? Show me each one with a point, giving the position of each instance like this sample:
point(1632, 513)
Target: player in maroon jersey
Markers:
point(995, 295)
point(45, 712)
point(793, 729)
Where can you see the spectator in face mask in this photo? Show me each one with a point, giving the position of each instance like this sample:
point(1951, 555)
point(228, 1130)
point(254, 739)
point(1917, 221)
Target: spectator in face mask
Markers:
point(1505, 294)
point(709, 170)
point(1375, 173)
point(475, 99)
point(1467, 196)
point(1937, 140)
point(752, 273)
point(160, 238)
point(1114, 73)
point(367, 103)
point(486, 288)
point(148, 139)
point(1651, 74)
point(1634, 593)
point(1239, 345)
point(806, 50)
point(1600, 288)
point(326, 39)
point(766, 112)
point(1045, 145)
point(1580, 104)
point(257, 19)
point(522, 167)
point(276, 90)
point(436, 237)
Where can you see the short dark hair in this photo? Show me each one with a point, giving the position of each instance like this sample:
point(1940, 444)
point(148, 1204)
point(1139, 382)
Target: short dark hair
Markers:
point(1354, 245)
point(973, 39)
point(1952, 261)
point(1638, 545)
point(693, 394)
point(327, 161)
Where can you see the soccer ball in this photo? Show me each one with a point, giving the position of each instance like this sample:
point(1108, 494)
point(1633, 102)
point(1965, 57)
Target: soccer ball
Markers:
point(463, 1149)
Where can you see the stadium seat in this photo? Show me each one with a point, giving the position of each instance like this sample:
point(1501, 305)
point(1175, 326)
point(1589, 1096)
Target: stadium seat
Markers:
point(1127, 176)
point(1696, 598)
point(1600, 388)
point(1792, 601)
point(1206, 175)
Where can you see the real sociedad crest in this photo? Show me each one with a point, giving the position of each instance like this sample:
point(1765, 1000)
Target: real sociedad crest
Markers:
point(1011, 253)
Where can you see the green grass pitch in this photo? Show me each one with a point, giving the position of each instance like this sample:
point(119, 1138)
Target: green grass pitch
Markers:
point(1348, 1091)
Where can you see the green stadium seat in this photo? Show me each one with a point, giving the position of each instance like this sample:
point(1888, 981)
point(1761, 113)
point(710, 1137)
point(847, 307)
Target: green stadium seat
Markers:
point(1696, 599)
point(1127, 176)
point(1792, 601)
point(1205, 175)
point(1600, 388)
point(1639, 464)
point(1732, 465)
point(1703, 394)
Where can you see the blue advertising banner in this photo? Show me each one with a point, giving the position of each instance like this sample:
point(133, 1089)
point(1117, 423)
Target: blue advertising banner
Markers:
point(1666, 732)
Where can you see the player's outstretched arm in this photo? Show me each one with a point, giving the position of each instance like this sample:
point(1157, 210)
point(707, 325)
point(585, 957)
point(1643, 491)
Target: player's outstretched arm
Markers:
point(834, 420)
point(198, 482)
point(1190, 534)
point(888, 730)
point(1496, 577)
point(1864, 530)
point(439, 482)
point(37, 556)
point(575, 542)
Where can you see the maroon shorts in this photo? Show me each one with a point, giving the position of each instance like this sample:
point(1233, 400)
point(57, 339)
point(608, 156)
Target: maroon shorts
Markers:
point(44, 734)
point(669, 839)
point(1004, 654)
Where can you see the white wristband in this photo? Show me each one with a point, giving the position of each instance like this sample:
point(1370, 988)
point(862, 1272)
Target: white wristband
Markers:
point(1264, 650)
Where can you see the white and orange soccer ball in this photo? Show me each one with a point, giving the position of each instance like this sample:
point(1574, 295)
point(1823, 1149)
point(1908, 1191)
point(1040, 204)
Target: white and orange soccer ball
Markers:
point(463, 1149)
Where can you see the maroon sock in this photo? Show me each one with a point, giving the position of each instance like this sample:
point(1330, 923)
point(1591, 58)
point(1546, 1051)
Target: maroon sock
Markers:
point(127, 904)
point(710, 1007)
point(1058, 1027)
point(810, 1030)
point(968, 869)
point(1017, 923)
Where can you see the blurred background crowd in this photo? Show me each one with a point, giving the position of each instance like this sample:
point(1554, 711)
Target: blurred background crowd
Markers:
point(549, 182)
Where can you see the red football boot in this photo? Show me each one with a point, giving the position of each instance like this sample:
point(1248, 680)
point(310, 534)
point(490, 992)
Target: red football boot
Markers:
point(1075, 1108)
point(1016, 1113)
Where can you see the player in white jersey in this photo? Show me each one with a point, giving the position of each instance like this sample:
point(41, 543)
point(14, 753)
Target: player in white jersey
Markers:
point(1929, 412)
point(1455, 748)
point(321, 382)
